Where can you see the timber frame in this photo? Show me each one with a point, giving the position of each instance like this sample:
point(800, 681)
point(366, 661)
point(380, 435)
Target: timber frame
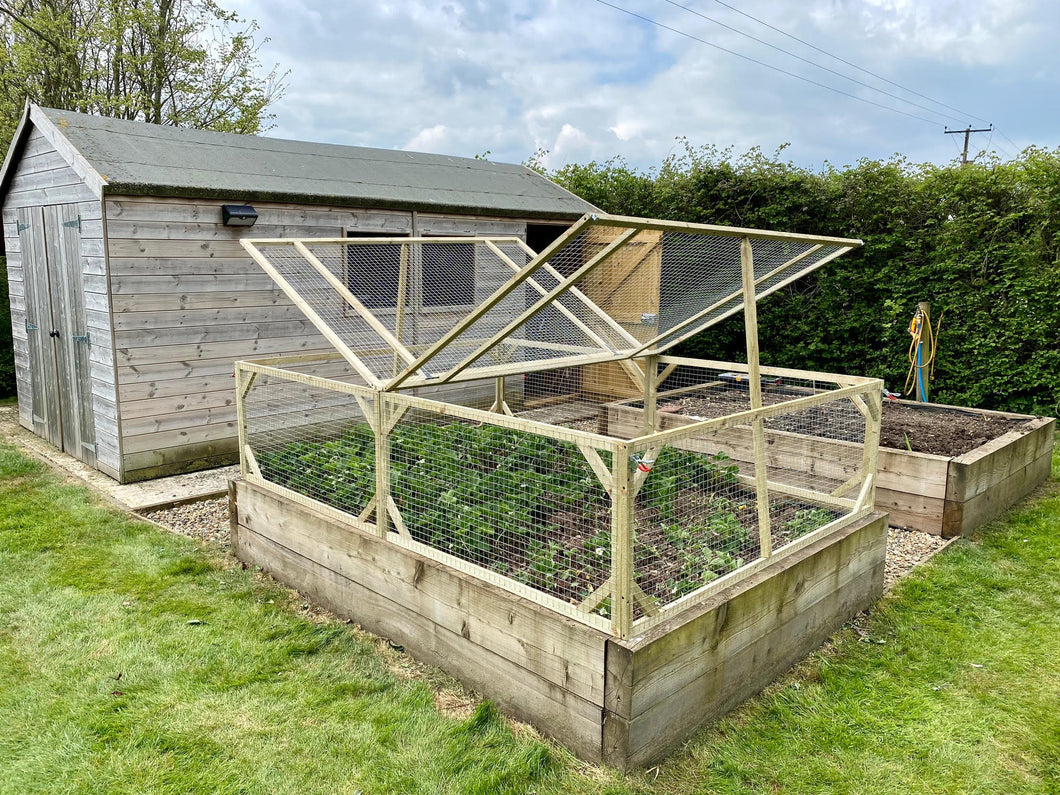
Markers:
point(626, 670)
point(815, 251)
point(384, 399)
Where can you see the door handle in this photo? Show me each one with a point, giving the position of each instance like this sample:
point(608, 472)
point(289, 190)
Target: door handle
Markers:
point(53, 333)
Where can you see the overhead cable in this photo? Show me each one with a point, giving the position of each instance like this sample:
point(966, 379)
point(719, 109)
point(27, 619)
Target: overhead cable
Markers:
point(819, 66)
point(651, 21)
point(848, 63)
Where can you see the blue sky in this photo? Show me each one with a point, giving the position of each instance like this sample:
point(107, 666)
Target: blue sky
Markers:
point(587, 82)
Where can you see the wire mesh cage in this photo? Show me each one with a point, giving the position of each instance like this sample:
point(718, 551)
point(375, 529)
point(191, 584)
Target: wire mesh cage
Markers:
point(516, 416)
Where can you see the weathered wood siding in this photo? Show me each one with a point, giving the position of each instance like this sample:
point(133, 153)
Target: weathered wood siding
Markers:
point(187, 302)
point(44, 177)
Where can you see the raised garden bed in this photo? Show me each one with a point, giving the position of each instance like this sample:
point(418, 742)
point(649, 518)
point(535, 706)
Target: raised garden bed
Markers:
point(623, 702)
point(943, 469)
point(616, 592)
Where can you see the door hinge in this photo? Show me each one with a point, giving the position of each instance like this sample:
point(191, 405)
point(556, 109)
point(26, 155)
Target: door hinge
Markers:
point(73, 224)
point(82, 338)
point(31, 326)
point(21, 227)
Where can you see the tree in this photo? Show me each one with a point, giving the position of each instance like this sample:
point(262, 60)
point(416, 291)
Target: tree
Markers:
point(186, 63)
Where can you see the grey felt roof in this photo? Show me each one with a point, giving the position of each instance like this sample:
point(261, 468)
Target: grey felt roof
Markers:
point(138, 158)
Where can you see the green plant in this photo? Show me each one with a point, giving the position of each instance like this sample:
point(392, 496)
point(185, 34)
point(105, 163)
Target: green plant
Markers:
point(806, 520)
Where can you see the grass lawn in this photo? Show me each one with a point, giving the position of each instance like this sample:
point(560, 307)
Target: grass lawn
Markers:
point(133, 660)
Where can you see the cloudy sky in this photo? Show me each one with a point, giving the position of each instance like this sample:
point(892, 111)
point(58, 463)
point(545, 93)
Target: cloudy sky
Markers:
point(585, 80)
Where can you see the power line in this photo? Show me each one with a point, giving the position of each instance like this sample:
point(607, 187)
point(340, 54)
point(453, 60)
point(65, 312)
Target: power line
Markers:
point(817, 65)
point(1015, 145)
point(848, 63)
point(763, 63)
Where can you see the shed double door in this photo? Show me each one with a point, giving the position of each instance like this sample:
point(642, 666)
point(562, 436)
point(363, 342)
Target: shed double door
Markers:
point(59, 341)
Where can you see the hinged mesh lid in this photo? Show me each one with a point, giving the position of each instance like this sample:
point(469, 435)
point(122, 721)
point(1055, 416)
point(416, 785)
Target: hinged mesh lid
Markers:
point(407, 311)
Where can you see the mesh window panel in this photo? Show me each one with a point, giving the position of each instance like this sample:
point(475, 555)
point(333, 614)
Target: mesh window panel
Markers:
point(522, 505)
point(704, 273)
point(312, 440)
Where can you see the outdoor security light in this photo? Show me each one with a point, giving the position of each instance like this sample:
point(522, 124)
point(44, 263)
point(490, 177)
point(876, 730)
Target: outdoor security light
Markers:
point(238, 215)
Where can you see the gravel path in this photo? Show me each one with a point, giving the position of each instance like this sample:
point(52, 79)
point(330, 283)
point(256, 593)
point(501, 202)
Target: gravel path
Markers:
point(905, 549)
point(208, 521)
point(204, 521)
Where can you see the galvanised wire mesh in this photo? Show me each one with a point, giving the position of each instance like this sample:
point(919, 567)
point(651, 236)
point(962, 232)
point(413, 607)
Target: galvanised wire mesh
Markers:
point(701, 278)
point(609, 290)
point(415, 291)
point(697, 515)
point(519, 503)
point(543, 505)
point(311, 439)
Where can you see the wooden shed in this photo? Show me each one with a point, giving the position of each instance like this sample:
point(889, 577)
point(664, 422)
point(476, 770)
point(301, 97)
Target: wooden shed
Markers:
point(131, 298)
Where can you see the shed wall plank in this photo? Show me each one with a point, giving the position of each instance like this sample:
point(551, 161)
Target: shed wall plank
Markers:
point(187, 302)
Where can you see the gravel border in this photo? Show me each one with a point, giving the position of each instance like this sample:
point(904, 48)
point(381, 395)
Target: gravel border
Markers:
point(208, 521)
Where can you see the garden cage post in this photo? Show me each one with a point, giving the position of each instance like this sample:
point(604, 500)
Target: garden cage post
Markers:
point(402, 293)
point(621, 543)
point(651, 390)
point(244, 381)
point(754, 377)
point(382, 466)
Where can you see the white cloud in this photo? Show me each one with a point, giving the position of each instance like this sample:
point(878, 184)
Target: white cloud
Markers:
point(431, 139)
point(588, 82)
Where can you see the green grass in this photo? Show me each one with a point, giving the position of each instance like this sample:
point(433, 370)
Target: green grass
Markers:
point(951, 685)
point(132, 661)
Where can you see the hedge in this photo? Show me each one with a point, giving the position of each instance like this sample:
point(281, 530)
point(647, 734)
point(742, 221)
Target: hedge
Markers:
point(980, 242)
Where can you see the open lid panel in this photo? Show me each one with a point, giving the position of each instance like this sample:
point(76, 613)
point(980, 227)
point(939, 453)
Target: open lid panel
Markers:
point(413, 311)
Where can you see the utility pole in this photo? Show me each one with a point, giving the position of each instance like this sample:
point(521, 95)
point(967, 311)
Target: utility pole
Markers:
point(967, 133)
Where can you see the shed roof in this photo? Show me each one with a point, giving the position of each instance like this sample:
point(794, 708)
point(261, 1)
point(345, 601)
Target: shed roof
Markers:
point(149, 159)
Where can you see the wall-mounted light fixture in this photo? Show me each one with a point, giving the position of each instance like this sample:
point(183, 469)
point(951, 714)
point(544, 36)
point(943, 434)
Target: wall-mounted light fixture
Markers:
point(238, 215)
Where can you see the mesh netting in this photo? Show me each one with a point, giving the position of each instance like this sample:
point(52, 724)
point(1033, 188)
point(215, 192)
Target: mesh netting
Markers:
point(313, 440)
point(512, 414)
point(420, 310)
point(520, 504)
point(536, 508)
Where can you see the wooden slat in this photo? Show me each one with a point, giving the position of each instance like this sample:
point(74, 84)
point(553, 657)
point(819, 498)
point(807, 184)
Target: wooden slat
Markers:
point(177, 210)
point(161, 302)
point(697, 668)
point(215, 332)
point(206, 318)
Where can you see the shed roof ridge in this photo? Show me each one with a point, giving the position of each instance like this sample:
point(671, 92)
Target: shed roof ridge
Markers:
point(142, 158)
point(239, 141)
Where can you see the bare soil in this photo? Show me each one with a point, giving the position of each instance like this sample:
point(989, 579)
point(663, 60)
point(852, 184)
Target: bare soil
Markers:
point(949, 432)
point(923, 429)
